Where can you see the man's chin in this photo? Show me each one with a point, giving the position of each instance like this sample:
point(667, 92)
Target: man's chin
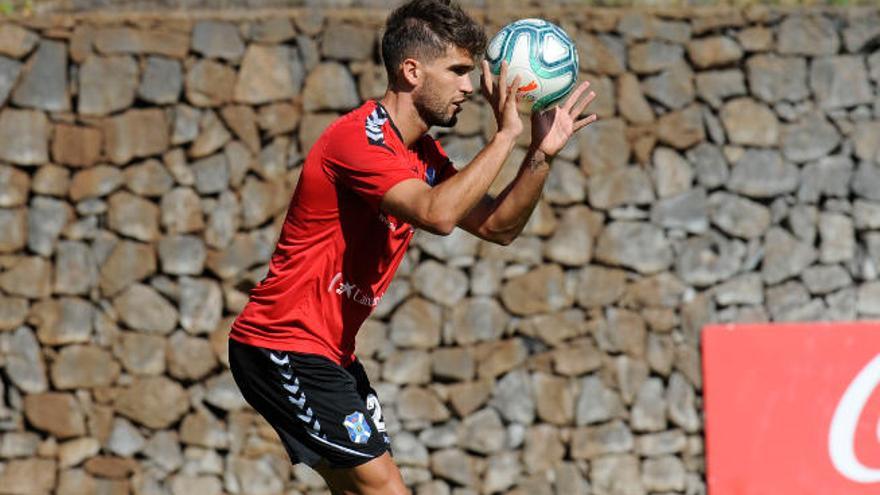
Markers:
point(436, 119)
point(449, 121)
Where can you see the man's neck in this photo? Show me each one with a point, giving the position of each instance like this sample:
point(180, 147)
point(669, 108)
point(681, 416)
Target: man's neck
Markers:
point(404, 115)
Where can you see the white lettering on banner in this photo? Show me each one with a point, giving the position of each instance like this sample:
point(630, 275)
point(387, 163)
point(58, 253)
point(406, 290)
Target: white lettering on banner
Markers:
point(352, 292)
point(842, 434)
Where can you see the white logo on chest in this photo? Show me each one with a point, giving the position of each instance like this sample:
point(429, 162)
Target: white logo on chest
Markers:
point(352, 291)
point(391, 225)
point(387, 221)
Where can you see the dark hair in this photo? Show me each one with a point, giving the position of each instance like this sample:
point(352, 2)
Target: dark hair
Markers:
point(423, 29)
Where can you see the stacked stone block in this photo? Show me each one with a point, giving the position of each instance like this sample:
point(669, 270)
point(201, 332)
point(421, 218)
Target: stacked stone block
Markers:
point(145, 167)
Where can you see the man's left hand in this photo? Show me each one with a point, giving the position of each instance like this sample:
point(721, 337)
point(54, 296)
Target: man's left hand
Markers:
point(552, 128)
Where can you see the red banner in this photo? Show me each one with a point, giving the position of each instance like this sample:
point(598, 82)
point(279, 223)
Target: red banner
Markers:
point(792, 409)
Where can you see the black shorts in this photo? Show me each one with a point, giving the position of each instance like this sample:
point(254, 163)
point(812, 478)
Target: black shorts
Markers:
point(320, 410)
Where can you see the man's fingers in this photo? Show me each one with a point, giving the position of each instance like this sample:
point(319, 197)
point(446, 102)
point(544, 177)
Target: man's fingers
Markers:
point(502, 83)
point(589, 119)
point(487, 79)
point(503, 87)
point(581, 105)
point(513, 89)
point(514, 84)
point(573, 97)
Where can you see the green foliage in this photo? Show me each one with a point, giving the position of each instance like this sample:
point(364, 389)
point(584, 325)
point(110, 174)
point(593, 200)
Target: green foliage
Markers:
point(16, 7)
point(732, 3)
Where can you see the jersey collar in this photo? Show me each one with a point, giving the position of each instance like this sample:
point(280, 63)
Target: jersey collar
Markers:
point(390, 120)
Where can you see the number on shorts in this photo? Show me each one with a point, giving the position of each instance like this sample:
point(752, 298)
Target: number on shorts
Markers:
point(375, 411)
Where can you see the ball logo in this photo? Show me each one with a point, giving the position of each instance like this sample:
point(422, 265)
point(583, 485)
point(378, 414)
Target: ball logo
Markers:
point(841, 436)
point(528, 87)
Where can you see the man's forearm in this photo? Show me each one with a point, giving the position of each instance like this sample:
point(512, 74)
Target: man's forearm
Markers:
point(454, 198)
point(515, 204)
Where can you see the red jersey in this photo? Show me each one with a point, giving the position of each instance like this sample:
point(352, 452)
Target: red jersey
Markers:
point(337, 251)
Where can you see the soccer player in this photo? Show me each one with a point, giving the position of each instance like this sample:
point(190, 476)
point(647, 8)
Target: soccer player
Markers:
point(373, 177)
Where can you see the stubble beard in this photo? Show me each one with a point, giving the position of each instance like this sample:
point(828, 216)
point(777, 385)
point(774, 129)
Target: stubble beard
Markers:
point(432, 110)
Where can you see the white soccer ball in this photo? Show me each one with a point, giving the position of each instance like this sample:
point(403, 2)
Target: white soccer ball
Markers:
point(542, 55)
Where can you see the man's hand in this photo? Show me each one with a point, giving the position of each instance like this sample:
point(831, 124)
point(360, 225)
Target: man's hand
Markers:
point(503, 99)
point(552, 128)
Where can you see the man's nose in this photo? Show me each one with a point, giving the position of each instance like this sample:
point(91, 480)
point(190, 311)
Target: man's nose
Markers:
point(467, 87)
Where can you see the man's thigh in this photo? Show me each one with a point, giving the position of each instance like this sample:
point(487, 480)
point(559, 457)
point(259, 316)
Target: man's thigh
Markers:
point(379, 476)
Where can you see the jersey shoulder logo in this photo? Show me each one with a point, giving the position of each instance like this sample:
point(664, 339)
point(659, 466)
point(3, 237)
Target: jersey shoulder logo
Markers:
point(431, 176)
point(358, 429)
point(373, 127)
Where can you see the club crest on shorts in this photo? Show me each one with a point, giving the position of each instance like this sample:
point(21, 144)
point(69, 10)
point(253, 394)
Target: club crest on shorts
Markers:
point(358, 429)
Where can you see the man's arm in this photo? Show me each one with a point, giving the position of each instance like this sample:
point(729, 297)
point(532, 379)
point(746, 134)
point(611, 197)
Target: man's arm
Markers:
point(441, 208)
point(461, 200)
point(500, 220)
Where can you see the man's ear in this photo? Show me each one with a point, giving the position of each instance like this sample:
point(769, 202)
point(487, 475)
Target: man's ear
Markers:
point(411, 71)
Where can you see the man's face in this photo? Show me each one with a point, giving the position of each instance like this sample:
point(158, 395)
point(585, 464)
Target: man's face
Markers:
point(445, 88)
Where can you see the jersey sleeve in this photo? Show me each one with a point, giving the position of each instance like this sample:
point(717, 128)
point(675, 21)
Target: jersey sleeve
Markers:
point(366, 168)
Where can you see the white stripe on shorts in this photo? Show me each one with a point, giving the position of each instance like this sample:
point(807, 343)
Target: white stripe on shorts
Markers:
point(340, 447)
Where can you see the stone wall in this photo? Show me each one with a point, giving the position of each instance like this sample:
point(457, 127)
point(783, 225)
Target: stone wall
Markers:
point(147, 161)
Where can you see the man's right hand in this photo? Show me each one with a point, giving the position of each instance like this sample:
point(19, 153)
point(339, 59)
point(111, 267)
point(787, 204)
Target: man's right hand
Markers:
point(503, 98)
